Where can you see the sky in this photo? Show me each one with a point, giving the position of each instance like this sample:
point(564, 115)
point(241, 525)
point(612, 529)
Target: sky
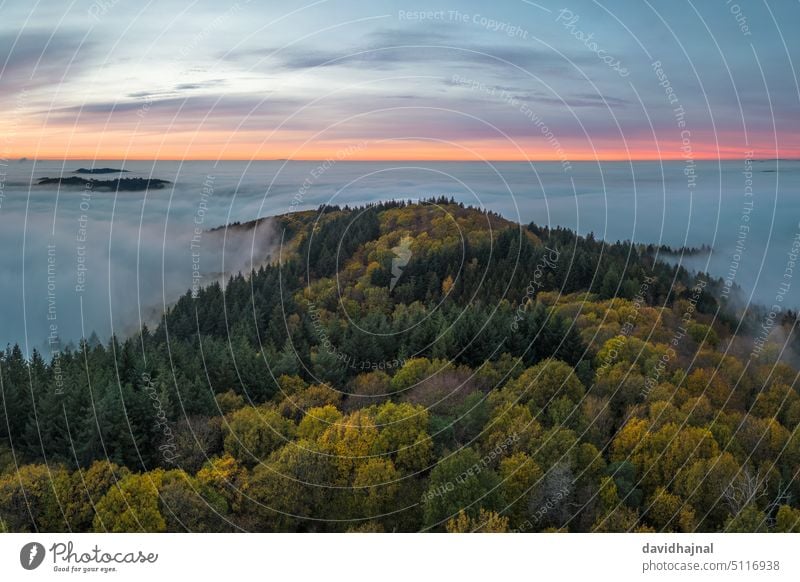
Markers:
point(384, 80)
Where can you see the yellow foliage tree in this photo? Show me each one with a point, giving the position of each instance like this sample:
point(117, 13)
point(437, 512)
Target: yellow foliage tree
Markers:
point(485, 522)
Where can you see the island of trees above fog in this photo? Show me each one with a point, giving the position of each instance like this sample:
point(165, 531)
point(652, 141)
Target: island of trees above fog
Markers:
point(417, 367)
point(117, 184)
point(98, 171)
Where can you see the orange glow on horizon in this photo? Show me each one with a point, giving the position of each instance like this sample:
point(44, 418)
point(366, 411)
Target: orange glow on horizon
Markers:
point(222, 145)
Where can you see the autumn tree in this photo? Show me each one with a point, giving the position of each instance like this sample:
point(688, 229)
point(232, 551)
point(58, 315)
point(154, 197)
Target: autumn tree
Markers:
point(253, 433)
point(33, 499)
point(132, 506)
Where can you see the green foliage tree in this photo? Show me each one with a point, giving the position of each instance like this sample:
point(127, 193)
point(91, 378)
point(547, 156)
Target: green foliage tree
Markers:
point(460, 482)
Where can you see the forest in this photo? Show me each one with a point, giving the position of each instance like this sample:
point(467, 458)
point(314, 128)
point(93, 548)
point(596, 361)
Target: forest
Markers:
point(405, 367)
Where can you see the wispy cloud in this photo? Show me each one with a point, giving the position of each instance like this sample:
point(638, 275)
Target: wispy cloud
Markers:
point(394, 48)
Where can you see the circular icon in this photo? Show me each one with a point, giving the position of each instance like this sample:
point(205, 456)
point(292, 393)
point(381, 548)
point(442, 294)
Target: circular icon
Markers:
point(31, 555)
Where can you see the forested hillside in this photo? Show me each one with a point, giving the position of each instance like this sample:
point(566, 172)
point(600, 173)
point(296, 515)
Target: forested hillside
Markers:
point(406, 367)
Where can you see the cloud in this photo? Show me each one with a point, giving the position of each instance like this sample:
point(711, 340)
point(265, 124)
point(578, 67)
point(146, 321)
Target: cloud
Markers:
point(176, 91)
point(37, 59)
point(394, 48)
point(199, 85)
point(221, 110)
point(581, 100)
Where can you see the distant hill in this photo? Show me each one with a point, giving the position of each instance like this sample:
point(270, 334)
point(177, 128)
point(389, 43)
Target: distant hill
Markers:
point(408, 367)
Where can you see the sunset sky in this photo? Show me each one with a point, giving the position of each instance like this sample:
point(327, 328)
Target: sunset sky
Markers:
point(509, 80)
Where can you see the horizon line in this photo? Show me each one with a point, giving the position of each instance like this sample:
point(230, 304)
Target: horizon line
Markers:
point(354, 160)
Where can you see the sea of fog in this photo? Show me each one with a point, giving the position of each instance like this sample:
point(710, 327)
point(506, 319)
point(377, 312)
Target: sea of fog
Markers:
point(75, 261)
